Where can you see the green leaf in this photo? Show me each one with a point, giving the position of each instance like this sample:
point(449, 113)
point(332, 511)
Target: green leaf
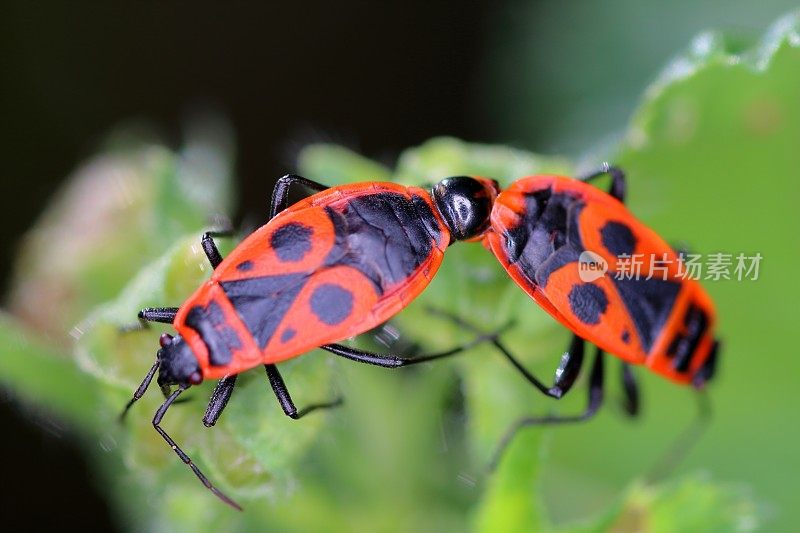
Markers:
point(41, 375)
point(690, 504)
point(445, 156)
point(117, 212)
point(335, 165)
point(511, 502)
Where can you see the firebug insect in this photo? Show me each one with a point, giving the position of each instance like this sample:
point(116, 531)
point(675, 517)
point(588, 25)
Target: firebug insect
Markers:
point(541, 227)
point(329, 267)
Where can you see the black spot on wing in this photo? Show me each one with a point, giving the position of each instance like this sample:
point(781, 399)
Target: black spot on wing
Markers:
point(245, 266)
point(626, 336)
point(384, 235)
point(288, 334)
point(618, 238)
point(219, 337)
point(649, 303)
point(262, 302)
point(588, 301)
point(331, 303)
point(291, 241)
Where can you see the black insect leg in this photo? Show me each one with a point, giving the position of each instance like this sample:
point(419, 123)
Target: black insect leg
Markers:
point(280, 194)
point(568, 368)
point(185, 458)
point(210, 247)
point(282, 393)
point(141, 390)
point(280, 201)
point(566, 374)
point(618, 187)
point(165, 315)
point(595, 400)
point(396, 361)
point(631, 400)
point(219, 399)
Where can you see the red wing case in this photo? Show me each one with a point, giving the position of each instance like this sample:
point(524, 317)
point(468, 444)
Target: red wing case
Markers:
point(650, 314)
point(328, 268)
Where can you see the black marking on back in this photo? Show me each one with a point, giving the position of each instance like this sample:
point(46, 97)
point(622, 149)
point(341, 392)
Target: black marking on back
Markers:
point(245, 266)
point(427, 217)
point(291, 241)
point(618, 238)
point(649, 303)
point(588, 301)
point(385, 235)
point(331, 303)
point(548, 236)
point(219, 337)
point(563, 256)
point(288, 334)
point(262, 302)
point(626, 336)
point(684, 344)
point(707, 371)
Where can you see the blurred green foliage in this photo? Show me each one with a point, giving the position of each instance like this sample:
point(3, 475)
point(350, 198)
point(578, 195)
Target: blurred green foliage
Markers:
point(712, 158)
point(566, 76)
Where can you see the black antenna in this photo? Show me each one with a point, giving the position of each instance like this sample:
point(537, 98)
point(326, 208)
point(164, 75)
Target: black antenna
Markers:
point(141, 390)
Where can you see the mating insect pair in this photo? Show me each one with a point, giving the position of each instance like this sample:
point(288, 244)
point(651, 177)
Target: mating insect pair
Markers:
point(348, 258)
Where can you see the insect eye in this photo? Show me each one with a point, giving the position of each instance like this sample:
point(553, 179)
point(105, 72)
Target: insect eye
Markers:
point(165, 340)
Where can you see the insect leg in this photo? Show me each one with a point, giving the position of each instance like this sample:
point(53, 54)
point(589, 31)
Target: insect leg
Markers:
point(566, 374)
point(165, 315)
point(595, 400)
point(210, 247)
point(282, 393)
point(280, 194)
point(631, 400)
point(219, 399)
point(185, 458)
point(388, 360)
point(568, 368)
point(617, 189)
